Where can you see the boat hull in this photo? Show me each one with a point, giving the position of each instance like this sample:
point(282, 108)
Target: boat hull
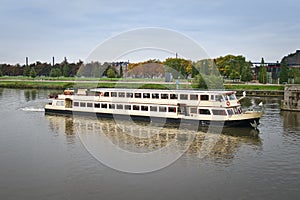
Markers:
point(176, 121)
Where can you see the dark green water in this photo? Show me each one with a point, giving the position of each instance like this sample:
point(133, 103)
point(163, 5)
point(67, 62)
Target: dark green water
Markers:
point(46, 157)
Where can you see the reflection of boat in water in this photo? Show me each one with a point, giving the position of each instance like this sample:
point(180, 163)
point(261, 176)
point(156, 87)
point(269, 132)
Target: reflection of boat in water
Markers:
point(143, 137)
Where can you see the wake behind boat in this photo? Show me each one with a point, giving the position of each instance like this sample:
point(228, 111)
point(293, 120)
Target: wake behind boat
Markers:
point(193, 106)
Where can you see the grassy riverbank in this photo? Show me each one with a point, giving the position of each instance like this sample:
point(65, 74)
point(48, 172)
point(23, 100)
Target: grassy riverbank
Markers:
point(254, 87)
point(63, 85)
point(51, 83)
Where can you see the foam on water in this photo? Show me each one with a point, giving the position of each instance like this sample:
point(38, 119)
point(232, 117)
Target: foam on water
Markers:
point(32, 109)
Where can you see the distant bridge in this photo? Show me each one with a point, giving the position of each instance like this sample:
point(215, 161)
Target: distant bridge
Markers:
point(268, 63)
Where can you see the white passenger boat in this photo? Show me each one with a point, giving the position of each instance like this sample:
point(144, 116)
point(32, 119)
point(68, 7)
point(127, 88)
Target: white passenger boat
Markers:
point(193, 106)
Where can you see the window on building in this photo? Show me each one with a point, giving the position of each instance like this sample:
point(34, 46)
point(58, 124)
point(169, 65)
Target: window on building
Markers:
point(232, 97)
point(153, 108)
point(173, 96)
point(127, 107)
point(146, 95)
point(164, 96)
point(89, 105)
point(194, 97)
point(106, 94)
point(114, 94)
point(162, 109)
point(103, 105)
point(230, 111)
point(172, 109)
point(204, 97)
point(121, 94)
point(204, 112)
point(155, 96)
point(144, 108)
point(76, 104)
point(183, 97)
point(219, 98)
point(129, 94)
point(82, 104)
point(135, 107)
point(112, 106)
point(97, 105)
point(218, 112)
point(119, 106)
point(137, 95)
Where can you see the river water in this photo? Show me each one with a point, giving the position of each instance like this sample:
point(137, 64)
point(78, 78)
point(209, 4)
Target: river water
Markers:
point(59, 157)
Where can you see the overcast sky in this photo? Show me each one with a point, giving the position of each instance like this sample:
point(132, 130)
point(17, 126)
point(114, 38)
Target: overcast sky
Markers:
point(40, 29)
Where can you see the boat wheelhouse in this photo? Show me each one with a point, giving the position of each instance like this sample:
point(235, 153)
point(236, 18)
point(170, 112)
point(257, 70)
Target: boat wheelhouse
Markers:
point(195, 106)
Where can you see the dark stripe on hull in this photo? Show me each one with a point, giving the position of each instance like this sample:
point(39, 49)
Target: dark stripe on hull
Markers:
point(161, 120)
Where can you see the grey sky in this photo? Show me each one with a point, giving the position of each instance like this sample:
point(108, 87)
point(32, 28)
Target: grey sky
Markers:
point(41, 29)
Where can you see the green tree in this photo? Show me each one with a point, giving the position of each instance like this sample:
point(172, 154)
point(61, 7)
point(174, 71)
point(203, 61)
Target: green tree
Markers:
point(247, 73)
point(26, 71)
point(200, 82)
point(262, 74)
point(32, 72)
point(234, 75)
point(111, 73)
point(284, 71)
point(1, 73)
point(55, 72)
point(203, 81)
point(66, 70)
point(121, 72)
point(294, 73)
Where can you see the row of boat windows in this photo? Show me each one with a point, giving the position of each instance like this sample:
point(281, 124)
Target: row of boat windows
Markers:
point(157, 96)
point(216, 111)
point(196, 97)
point(193, 110)
point(125, 107)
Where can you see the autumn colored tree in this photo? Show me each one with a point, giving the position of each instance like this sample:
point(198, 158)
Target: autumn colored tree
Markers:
point(179, 67)
point(234, 67)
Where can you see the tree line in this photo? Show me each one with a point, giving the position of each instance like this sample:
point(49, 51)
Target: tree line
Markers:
point(41, 69)
point(210, 72)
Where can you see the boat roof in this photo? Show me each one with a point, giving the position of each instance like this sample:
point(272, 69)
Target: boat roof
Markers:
point(162, 91)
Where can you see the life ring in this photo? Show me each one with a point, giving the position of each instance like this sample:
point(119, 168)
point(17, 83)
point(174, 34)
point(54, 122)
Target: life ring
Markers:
point(228, 103)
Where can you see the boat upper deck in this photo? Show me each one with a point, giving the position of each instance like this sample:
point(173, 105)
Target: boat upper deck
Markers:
point(151, 96)
point(222, 92)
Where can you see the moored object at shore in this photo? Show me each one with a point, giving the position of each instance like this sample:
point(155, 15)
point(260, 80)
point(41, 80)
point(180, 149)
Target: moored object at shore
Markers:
point(291, 101)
